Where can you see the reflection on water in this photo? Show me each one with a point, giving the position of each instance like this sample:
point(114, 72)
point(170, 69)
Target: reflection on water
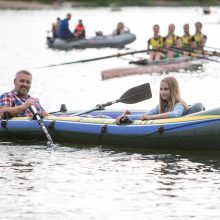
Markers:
point(76, 182)
point(107, 183)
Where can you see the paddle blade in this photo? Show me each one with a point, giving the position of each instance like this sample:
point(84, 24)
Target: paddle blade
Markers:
point(136, 94)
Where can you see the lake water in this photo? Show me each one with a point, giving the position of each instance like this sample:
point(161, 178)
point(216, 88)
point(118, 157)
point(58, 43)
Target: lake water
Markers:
point(75, 182)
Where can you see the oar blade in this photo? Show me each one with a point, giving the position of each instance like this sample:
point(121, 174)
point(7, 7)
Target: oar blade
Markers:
point(136, 94)
point(131, 96)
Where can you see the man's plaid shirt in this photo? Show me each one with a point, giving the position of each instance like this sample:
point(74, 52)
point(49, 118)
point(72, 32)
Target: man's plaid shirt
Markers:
point(11, 99)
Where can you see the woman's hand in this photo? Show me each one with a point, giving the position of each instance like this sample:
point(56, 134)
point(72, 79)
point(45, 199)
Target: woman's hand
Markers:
point(122, 119)
point(145, 117)
point(117, 120)
point(127, 112)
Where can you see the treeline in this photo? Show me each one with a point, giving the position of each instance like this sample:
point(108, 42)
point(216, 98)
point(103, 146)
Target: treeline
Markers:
point(134, 2)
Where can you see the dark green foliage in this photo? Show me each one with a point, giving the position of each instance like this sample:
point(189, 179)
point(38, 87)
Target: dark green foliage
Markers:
point(134, 2)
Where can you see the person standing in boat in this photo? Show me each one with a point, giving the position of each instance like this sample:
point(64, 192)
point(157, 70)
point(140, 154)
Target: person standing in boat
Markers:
point(198, 40)
point(55, 26)
point(155, 44)
point(171, 105)
point(170, 41)
point(63, 29)
point(120, 29)
point(18, 101)
point(80, 31)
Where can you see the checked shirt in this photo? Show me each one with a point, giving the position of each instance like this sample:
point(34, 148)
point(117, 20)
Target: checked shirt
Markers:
point(11, 99)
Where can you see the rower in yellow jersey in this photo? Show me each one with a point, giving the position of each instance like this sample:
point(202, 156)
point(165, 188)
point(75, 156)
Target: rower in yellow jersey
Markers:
point(170, 41)
point(198, 40)
point(186, 38)
point(155, 44)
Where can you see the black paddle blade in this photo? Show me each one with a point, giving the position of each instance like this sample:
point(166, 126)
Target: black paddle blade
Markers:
point(136, 94)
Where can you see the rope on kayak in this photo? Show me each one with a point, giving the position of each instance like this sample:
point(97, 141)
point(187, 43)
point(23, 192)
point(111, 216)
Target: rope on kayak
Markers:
point(161, 129)
point(103, 130)
point(4, 123)
point(4, 120)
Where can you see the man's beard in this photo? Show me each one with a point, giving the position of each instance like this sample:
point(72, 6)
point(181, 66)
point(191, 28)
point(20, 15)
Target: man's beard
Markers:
point(23, 91)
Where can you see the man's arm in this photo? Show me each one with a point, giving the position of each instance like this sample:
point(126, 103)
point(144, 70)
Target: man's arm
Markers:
point(14, 111)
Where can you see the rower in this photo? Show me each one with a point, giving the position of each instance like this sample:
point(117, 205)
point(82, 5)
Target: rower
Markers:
point(170, 41)
point(155, 43)
point(186, 38)
point(198, 40)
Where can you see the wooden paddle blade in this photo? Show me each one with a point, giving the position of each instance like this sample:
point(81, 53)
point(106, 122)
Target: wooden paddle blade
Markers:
point(136, 94)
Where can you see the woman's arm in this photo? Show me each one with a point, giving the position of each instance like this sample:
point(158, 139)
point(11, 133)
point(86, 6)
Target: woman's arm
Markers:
point(153, 111)
point(177, 112)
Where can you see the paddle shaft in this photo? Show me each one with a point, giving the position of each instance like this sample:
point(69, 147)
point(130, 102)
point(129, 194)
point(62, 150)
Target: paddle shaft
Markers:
point(42, 125)
point(131, 96)
point(98, 107)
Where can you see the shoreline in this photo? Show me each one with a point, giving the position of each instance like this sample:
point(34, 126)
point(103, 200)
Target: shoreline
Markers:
point(22, 5)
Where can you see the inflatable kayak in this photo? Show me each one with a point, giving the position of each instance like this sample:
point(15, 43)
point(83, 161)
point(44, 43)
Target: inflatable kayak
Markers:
point(197, 131)
point(112, 41)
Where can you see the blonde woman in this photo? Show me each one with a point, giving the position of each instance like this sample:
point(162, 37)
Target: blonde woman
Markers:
point(170, 104)
point(120, 29)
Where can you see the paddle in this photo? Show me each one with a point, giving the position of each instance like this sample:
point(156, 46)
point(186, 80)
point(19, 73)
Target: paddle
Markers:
point(99, 58)
point(193, 55)
point(131, 96)
point(42, 125)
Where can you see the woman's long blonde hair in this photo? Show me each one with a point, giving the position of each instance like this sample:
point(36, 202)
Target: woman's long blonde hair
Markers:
point(168, 105)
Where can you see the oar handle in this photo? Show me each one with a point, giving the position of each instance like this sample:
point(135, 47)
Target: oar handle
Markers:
point(108, 103)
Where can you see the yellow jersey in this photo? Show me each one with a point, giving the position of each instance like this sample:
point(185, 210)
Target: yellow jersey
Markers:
point(156, 43)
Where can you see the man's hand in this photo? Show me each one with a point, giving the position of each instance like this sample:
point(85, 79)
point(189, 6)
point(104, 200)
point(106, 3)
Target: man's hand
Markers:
point(27, 104)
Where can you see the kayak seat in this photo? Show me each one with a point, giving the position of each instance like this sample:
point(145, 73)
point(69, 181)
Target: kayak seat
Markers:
point(197, 107)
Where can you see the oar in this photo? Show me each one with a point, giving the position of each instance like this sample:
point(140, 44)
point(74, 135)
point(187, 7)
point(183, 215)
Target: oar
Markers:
point(213, 48)
point(99, 58)
point(193, 55)
point(199, 51)
point(131, 96)
point(42, 125)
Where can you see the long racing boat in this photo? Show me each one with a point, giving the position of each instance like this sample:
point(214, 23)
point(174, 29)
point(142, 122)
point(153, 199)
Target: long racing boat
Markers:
point(146, 67)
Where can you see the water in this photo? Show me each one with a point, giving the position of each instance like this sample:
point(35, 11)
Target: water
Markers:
point(76, 182)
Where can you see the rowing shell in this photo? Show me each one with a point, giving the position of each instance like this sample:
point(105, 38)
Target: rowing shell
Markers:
point(170, 65)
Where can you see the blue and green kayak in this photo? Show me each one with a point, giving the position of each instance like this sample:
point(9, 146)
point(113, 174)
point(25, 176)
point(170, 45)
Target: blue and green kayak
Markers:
point(197, 131)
